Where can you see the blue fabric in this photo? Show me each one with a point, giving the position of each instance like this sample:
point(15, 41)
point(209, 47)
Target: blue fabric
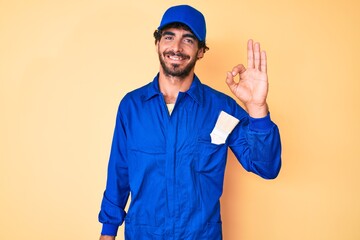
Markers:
point(173, 171)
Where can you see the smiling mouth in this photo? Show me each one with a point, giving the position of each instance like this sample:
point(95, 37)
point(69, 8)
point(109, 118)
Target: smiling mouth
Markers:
point(176, 56)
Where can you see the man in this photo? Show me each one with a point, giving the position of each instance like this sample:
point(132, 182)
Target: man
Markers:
point(171, 138)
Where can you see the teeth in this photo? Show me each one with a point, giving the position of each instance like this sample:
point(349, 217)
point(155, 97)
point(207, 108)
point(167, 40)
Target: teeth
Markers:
point(175, 58)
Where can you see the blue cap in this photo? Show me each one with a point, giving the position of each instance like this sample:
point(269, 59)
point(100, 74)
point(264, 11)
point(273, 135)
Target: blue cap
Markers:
point(187, 15)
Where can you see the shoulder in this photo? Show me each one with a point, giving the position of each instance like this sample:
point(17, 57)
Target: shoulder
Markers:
point(222, 101)
point(211, 94)
point(138, 93)
point(134, 97)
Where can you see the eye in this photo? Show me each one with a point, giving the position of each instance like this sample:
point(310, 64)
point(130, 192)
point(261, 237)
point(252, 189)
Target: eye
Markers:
point(168, 37)
point(189, 40)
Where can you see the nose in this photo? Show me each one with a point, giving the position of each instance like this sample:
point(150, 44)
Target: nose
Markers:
point(177, 45)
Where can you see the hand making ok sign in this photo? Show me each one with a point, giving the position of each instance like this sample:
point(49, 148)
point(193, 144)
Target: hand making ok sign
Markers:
point(252, 87)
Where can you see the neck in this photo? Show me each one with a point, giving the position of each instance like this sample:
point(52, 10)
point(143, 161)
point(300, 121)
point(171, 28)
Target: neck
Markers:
point(170, 86)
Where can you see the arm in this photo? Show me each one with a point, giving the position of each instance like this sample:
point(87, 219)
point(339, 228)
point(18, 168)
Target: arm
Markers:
point(256, 144)
point(256, 141)
point(112, 212)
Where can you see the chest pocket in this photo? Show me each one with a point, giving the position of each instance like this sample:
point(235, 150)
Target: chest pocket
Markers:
point(146, 156)
point(211, 158)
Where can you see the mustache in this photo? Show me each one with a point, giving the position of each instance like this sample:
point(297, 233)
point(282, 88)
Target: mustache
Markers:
point(178, 54)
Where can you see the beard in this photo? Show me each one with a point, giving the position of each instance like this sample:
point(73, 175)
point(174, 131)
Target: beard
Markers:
point(175, 70)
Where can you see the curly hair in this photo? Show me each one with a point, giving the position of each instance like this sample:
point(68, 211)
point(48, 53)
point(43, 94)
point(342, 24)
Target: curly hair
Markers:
point(158, 34)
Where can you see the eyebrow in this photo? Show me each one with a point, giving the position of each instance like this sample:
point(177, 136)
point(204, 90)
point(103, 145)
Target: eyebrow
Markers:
point(189, 35)
point(168, 33)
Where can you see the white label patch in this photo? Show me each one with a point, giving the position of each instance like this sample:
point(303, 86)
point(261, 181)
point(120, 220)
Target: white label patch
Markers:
point(223, 127)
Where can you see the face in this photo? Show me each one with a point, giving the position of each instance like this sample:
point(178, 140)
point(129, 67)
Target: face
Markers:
point(178, 52)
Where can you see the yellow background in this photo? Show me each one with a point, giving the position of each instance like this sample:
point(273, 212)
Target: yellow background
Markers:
point(65, 65)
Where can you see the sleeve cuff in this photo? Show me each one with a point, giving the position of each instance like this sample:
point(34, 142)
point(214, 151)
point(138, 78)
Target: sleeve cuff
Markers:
point(109, 229)
point(260, 124)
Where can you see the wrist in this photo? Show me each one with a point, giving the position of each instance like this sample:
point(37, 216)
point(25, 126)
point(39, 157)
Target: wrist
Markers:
point(257, 111)
point(107, 237)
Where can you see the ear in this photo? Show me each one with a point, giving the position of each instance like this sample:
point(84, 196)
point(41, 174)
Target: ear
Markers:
point(157, 46)
point(200, 53)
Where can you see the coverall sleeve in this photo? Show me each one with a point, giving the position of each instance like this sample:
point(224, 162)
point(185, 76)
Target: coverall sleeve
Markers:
point(117, 190)
point(256, 144)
